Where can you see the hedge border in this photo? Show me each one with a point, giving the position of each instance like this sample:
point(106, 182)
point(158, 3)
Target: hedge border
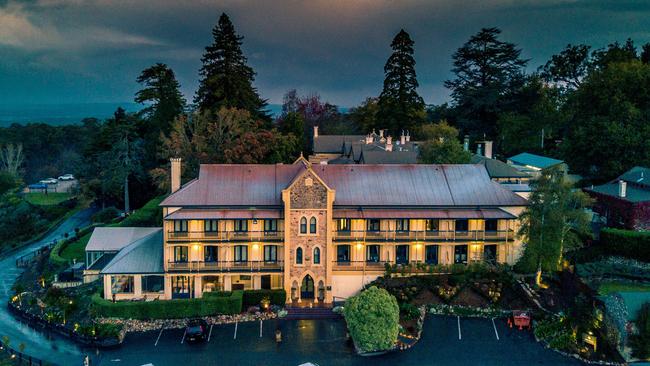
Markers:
point(626, 243)
point(227, 303)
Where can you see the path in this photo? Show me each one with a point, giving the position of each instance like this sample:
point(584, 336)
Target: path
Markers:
point(38, 344)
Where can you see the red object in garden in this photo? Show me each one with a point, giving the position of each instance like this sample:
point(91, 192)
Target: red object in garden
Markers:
point(520, 319)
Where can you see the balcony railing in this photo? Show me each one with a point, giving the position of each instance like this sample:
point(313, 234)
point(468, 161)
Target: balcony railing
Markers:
point(422, 235)
point(226, 266)
point(226, 235)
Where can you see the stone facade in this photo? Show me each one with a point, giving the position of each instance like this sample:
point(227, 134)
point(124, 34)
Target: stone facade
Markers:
point(310, 199)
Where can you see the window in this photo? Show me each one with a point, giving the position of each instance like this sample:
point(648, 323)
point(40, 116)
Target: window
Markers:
point(402, 254)
point(373, 225)
point(270, 253)
point(490, 253)
point(299, 256)
point(312, 225)
point(180, 226)
point(316, 255)
point(343, 225)
point(431, 254)
point(372, 253)
point(303, 225)
point(402, 225)
point(460, 254)
point(241, 253)
point(241, 226)
point(210, 253)
point(181, 287)
point(122, 284)
point(271, 225)
point(153, 284)
point(462, 225)
point(211, 283)
point(180, 254)
point(343, 253)
point(211, 226)
point(433, 225)
point(491, 225)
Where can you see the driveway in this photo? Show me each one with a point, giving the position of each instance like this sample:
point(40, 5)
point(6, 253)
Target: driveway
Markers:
point(446, 341)
point(38, 344)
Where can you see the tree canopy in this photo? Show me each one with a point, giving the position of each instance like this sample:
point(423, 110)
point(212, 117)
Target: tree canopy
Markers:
point(226, 79)
point(373, 319)
point(488, 74)
point(400, 105)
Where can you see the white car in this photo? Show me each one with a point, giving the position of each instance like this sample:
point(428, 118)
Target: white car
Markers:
point(49, 181)
point(66, 177)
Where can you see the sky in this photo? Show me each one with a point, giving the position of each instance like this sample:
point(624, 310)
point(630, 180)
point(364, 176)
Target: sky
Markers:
point(91, 51)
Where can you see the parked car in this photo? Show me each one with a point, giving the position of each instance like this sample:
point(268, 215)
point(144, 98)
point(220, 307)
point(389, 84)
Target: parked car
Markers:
point(49, 181)
point(196, 330)
point(66, 177)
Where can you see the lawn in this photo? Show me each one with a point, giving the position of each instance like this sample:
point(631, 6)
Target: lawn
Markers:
point(76, 250)
point(607, 288)
point(42, 199)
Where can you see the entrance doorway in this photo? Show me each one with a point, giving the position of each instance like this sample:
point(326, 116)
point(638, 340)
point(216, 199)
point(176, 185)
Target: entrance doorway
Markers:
point(266, 282)
point(307, 288)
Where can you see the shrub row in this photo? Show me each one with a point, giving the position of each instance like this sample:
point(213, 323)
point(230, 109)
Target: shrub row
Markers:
point(148, 215)
point(55, 254)
point(210, 304)
point(254, 297)
point(626, 243)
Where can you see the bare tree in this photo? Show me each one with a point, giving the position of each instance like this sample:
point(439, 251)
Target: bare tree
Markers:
point(11, 158)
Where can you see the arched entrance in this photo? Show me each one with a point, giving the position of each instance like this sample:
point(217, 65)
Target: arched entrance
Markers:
point(307, 288)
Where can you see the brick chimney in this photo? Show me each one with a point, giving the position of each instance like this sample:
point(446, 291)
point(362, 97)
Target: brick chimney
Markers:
point(381, 133)
point(402, 138)
point(369, 139)
point(622, 188)
point(389, 143)
point(315, 131)
point(175, 174)
point(466, 143)
point(488, 149)
point(408, 136)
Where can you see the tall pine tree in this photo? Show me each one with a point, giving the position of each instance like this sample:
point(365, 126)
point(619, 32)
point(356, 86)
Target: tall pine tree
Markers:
point(226, 79)
point(400, 105)
point(489, 74)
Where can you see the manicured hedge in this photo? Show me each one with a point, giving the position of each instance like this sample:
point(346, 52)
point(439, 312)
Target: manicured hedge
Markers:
point(209, 304)
point(626, 243)
point(254, 297)
point(148, 215)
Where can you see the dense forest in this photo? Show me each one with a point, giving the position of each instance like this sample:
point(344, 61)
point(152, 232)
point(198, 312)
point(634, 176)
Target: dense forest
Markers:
point(590, 107)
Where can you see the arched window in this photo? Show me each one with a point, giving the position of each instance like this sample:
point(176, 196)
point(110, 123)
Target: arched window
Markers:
point(299, 256)
point(316, 255)
point(312, 225)
point(303, 225)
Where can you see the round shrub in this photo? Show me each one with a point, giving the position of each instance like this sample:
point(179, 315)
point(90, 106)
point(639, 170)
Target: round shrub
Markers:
point(373, 319)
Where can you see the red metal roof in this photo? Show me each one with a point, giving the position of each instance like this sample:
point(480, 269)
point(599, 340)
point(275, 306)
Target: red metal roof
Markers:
point(189, 214)
point(355, 185)
point(422, 214)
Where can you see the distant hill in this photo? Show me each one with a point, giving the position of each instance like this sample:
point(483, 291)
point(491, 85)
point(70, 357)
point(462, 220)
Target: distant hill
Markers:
point(73, 113)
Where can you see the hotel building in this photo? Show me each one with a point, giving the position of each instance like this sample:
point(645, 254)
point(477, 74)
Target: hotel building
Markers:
point(319, 231)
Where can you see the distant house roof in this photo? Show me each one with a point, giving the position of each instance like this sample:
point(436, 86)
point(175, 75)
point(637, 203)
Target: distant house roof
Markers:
point(333, 144)
point(637, 190)
point(252, 185)
point(638, 175)
point(112, 239)
point(537, 161)
point(497, 168)
point(144, 256)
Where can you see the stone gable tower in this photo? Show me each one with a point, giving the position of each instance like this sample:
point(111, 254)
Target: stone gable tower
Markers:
point(308, 249)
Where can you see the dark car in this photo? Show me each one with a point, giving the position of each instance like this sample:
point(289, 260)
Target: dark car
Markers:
point(196, 330)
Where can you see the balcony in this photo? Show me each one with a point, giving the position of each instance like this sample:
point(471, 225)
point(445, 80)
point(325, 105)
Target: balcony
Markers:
point(424, 235)
point(226, 266)
point(225, 235)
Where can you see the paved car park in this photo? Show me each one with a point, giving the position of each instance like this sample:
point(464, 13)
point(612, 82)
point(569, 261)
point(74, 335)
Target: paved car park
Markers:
point(446, 341)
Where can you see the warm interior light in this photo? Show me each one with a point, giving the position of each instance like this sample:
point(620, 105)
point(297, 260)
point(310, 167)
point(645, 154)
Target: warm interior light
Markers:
point(359, 246)
point(255, 246)
point(196, 247)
